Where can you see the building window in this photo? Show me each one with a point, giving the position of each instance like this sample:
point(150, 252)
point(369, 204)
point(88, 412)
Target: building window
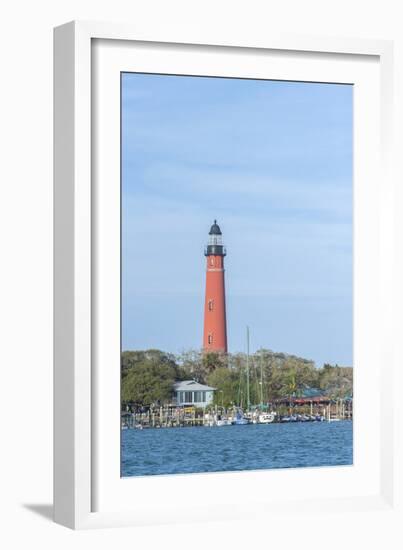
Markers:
point(210, 305)
point(210, 338)
point(211, 260)
point(197, 397)
point(188, 397)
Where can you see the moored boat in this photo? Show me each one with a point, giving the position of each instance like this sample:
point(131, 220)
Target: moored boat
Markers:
point(266, 418)
point(239, 419)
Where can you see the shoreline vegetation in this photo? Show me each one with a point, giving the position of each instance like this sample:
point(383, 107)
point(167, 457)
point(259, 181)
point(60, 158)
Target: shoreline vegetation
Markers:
point(291, 388)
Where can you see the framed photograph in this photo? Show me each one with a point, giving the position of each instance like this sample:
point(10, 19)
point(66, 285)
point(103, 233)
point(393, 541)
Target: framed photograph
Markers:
point(224, 290)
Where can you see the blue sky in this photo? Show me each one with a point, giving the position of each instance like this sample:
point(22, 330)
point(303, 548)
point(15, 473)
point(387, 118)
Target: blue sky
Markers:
point(272, 162)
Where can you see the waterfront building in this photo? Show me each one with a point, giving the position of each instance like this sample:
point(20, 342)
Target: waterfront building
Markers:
point(215, 321)
point(191, 393)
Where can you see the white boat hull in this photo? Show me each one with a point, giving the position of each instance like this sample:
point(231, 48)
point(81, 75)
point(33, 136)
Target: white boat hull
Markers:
point(266, 418)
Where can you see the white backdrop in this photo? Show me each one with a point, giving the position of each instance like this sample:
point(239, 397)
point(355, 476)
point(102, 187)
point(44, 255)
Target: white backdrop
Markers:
point(26, 266)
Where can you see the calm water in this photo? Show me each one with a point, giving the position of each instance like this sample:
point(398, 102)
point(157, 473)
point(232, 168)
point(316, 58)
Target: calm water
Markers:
point(251, 447)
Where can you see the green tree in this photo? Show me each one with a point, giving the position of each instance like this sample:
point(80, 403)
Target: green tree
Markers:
point(148, 376)
point(191, 363)
point(337, 382)
point(148, 383)
point(212, 361)
point(226, 383)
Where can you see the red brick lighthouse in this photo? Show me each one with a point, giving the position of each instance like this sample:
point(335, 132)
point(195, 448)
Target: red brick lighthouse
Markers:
point(215, 322)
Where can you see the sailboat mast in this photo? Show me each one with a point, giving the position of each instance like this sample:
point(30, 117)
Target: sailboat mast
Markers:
point(261, 378)
point(247, 369)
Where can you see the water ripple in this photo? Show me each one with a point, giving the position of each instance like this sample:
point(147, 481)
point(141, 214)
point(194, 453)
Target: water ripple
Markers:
point(234, 448)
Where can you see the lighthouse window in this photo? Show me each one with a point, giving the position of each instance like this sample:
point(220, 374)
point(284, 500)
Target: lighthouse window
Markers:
point(210, 305)
point(211, 261)
point(210, 338)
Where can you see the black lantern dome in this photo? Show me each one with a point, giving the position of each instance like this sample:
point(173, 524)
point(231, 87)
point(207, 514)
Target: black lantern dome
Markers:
point(215, 229)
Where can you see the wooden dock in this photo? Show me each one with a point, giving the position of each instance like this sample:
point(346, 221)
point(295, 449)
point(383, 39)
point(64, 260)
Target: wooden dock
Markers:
point(185, 417)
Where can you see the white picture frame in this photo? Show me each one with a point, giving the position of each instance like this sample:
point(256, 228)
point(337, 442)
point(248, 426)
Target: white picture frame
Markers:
point(88, 490)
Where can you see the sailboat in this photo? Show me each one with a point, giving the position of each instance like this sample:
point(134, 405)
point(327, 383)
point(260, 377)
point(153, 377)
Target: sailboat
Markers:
point(239, 419)
point(221, 420)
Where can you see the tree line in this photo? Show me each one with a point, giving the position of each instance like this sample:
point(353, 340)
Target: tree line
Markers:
point(148, 376)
